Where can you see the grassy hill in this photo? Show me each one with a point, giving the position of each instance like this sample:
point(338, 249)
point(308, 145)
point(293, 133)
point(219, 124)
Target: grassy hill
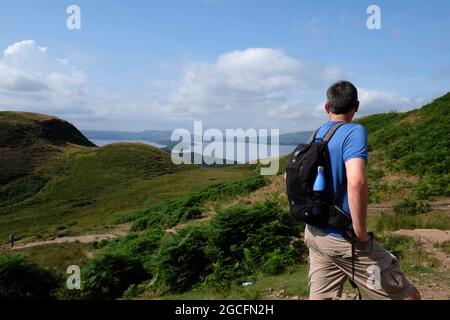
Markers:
point(416, 142)
point(55, 182)
point(28, 140)
point(410, 151)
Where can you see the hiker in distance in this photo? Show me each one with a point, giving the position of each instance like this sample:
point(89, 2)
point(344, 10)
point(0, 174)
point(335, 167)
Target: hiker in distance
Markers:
point(11, 240)
point(327, 189)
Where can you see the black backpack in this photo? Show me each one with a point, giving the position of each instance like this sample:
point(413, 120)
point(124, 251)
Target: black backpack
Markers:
point(301, 172)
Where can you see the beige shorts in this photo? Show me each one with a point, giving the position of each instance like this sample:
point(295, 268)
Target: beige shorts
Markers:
point(377, 271)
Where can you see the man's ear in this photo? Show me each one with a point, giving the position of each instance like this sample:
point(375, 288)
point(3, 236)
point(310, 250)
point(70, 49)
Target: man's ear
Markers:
point(327, 108)
point(357, 107)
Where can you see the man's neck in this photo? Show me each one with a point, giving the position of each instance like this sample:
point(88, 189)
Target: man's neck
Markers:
point(340, 117)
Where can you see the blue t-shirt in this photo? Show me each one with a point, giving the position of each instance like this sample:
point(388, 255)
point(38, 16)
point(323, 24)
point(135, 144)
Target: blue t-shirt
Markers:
point(348, 142)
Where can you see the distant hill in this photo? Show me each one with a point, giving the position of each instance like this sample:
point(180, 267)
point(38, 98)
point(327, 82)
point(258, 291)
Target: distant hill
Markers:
point(28, 140)
point(155, 136)
point(163, 137)
point(295, 138)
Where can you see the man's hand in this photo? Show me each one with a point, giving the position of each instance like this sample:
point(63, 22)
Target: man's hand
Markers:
point(363, 237)
point(357, 196)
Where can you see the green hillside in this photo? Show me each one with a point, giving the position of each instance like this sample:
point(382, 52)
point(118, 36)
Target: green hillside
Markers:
point(417, 141)
point(56, 182)
point(413, 147)
point(28, 140)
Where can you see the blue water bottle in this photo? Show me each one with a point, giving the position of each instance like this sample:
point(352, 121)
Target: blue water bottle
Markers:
point(318, 194)
point(319, 184)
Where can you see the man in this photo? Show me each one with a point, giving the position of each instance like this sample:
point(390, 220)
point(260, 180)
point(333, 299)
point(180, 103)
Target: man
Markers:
point(11, 240)
point(376, 271)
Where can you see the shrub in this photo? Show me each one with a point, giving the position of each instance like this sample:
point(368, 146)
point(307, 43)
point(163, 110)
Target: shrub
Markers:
point(181, 260)
point(431, 186)
point(239, 242)
point(140, 224)
point(136, 245)
point(191, 213)
point(275, 262)
point(107, 276)
point(244, 240)
point(396, 244)
point(169, 212)
point(20, 278)
point(411, 207)
point(375, 174)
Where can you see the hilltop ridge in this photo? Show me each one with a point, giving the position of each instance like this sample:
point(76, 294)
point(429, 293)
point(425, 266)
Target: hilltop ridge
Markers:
point(30, 139)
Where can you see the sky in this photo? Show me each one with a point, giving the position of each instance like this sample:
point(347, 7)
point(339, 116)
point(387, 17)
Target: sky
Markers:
point(137, 65)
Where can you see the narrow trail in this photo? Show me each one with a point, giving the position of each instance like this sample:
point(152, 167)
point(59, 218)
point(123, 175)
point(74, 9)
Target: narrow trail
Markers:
point(81, 239)
point(433, 289)
point(122, 230)
point(430, 239)
point(439, 205)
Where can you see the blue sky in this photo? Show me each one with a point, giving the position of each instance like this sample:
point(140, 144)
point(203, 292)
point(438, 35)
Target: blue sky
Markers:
point(138, 65)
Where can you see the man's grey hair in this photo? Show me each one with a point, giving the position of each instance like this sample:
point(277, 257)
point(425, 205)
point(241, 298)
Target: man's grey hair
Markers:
point(342, 97)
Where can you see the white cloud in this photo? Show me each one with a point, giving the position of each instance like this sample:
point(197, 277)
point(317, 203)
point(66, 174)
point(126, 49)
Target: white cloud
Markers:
point(31, 80)
point(253, 82)
point(256, 87)
point(373, 101)
point(25, 48)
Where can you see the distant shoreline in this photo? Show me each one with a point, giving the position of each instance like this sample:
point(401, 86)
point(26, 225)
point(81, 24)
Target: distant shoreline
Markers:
point(284, 149)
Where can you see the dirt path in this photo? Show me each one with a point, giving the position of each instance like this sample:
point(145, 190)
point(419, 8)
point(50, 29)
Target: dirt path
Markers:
point(429, 238)
point(439, 205)
point(433, 289)
point(122, 230)
point(81, 239)
point(204, 218)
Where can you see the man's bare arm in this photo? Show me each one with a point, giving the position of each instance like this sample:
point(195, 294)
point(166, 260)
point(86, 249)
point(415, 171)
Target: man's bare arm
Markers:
point(357, 196)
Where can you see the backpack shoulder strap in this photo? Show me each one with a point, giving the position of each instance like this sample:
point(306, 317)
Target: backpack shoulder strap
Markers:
point(326, 139)
point(313, 137)
point(329, 134)
point(332, 131)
